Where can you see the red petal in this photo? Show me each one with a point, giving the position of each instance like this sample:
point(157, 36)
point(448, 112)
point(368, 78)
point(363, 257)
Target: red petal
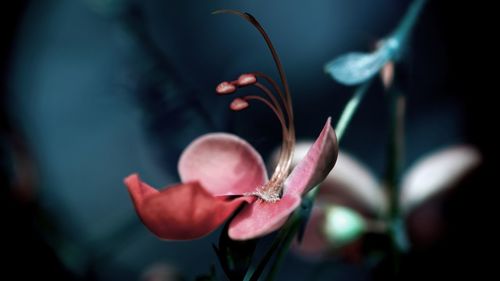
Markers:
point(314, 168)
point(261, 218)
point(224, 164)
point(180, 212)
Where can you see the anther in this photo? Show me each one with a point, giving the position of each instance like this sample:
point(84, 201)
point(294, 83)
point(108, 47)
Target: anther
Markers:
point(246, 79)
point(225, 88)
point(238, 104)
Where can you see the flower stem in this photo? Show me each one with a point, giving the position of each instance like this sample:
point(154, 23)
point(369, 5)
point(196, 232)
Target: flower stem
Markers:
point(396, 148)
point(298, 219)
point(393, 173)
point(350, 109)
point(409, 20)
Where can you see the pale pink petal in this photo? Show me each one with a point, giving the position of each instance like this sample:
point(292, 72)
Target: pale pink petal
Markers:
point(352, 184)
point(316, 165)
point(435, 173)
point(224, 164)
point(261, 218)
point(180, 212)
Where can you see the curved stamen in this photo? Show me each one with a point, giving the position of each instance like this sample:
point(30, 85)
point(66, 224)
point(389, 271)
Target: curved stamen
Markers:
point(248, 17)
point(271, 97)
point(281, 169)
point(272, 190)
point(277, 89)
point(274, 109)
point(285, 158)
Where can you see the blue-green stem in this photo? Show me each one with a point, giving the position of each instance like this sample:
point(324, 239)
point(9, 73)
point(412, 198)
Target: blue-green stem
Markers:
point(409, 20)
point(350, 109)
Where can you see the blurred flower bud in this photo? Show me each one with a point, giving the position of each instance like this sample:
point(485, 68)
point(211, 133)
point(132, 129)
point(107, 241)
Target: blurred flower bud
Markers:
point(424, 188)
point(435, 173)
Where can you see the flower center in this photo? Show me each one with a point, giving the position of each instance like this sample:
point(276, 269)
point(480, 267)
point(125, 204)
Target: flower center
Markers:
point(278, 100)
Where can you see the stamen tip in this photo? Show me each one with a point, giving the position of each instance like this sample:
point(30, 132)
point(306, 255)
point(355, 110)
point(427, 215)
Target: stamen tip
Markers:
point(246, 79)
point(225, 88)
point(238, 104)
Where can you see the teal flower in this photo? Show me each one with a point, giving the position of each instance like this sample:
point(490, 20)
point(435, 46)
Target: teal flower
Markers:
point(356, 67)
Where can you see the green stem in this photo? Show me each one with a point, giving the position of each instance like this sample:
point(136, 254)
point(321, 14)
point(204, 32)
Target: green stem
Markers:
point(297, 219)
point(409, 20)
point(396, 149)
point(254, 273)
point(280, 256)
point(350, 109)
point(394, 168)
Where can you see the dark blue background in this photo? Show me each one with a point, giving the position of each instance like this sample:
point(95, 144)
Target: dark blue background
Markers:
point(95, 94)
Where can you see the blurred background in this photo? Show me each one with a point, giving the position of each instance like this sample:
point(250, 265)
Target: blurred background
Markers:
point(93, 90)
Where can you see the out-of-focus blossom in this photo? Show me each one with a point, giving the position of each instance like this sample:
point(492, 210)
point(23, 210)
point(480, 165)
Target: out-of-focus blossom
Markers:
point(352, 202)
point(426, 185)
point(436, 173)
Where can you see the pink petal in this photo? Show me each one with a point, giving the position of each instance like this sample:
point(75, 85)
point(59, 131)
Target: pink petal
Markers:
point(224, 164)
point(435, 173)
point(261, 218)
point(180, 212)
point(316, 165)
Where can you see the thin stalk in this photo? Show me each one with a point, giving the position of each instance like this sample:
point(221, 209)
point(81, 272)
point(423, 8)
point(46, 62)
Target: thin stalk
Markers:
point(350, 109)
point(295, 226)
point(409, 20)
point(394, 168)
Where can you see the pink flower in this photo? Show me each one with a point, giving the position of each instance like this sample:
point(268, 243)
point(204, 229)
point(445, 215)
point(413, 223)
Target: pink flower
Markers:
point(221, 172)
